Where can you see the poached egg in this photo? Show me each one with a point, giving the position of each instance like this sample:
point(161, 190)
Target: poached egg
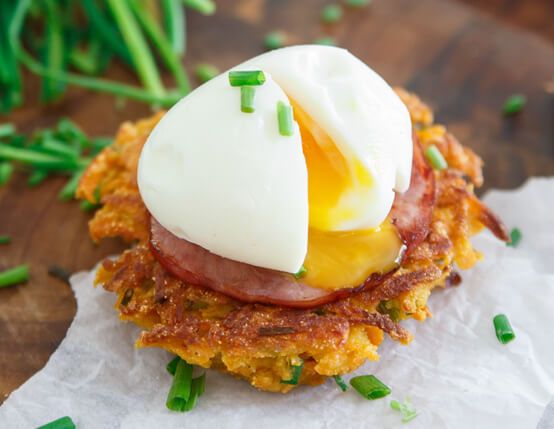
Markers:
point(229, 182)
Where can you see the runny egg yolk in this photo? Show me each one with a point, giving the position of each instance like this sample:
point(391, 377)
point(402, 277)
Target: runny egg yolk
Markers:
point(339, 259)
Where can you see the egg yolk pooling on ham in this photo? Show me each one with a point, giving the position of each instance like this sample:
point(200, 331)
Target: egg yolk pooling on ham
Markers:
point(339, 259)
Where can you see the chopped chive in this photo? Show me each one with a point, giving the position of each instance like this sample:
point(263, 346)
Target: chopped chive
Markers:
point(326, 41)
point(205, 7)
point(172, 366)
point(340, 382)
point(406, 409)
point(435, 158)
point(180, 390)
point(387, 306)
point(174, 16)
point(296, 371)
point(242, 78)
point(514, 104)
point(38, 159)
point(284, 116)
point(504, 331)
point(196, 390)
point(68, 191)
point(87, 206)
point(205, 72)
point(515, 237)
point(7, 130)
point(369, 387)
point(62, 423)
point(357, 3)
point(6, 170)
point(5, 239)
point(69, 130)
point(57, 147)
point(36, 177)
point(127, 296)
point(59, 272)
point(301, 272)
point(16, 275)
point(247, 94)
point(274, 40)
point(275, 330)
point(331, 13)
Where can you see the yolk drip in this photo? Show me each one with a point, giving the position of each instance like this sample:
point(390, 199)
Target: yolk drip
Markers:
point(339, 259)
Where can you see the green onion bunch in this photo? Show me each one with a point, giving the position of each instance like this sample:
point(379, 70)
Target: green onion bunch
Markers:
point(71, 42)
point(63, 149)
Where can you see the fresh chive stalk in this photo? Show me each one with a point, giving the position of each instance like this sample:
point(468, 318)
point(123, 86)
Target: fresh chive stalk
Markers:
point(250, 78)
point(205, 7)
point(5, 239)
point(296, 372)
point(175, 22)
point(196, 390)
point(515, 237)
point(369, 387)
point(284, 117)
point(14, 276)
point(55, 58)
point(62, 423)
point(38, 159)
point(340, 382)
point(514, 104)
point(504, 331)
point(301, 272)
point(331, 13)
point(62, 149)
point(435, 158)
point(247, 94)
point(180, 390)
point(68, 191)
point(37, 177)
point(164, 46)
point(205, 72)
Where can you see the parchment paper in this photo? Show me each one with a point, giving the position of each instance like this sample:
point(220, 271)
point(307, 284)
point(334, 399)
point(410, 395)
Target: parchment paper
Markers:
point(455, 372)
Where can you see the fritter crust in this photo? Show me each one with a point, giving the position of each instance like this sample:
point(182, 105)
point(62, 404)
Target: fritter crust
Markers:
point(212, 330)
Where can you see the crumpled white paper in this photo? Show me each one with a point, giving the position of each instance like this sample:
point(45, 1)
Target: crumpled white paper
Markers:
point(455, 372)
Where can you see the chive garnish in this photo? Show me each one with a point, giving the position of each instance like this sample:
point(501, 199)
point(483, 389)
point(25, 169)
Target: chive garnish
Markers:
point(274, 40)
point(62, 423)
point(284, 116)
point(205, 72)
point(326, 41)
point(242, 78)
point(59, 272)
point(369, 387)
point(127, 296)
point(331, 13)
point(16, 275)
point(296, 371)
point(435, 158)
point(68, 191)
point(301, 272)
point(5, 239)
point(515, 237)
point(36, 177)
point(196, 389)
point(514, 104)
point(180, 390)
point(247, 94)
point(172, 366)
point(276, 330)
point(406, 409)
point(340, 382)
point(504, 331)
point(389, 307)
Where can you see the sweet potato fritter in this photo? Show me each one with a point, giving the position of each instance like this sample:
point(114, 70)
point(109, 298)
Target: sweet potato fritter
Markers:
point(261, 342)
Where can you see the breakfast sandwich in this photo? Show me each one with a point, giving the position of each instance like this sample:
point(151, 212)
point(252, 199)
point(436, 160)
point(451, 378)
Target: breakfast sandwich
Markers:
point(284, 216)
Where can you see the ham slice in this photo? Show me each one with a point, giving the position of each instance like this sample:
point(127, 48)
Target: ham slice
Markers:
point(410, 213)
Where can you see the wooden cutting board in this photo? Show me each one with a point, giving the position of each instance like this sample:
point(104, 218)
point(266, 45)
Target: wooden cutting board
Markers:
point(462, 61)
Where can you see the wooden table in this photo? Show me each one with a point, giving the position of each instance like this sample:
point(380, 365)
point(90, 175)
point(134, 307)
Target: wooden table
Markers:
point(464, 61)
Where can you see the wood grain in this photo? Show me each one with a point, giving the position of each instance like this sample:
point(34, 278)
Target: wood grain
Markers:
point(464, 62)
